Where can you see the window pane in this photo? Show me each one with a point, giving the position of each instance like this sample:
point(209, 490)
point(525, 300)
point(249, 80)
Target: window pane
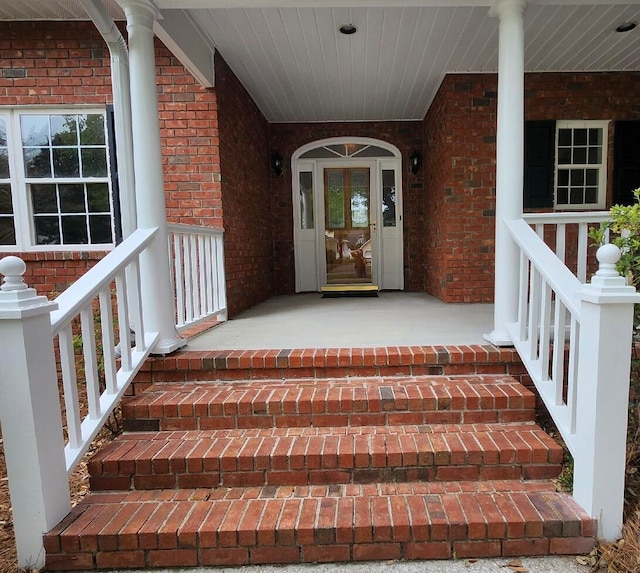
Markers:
point(94, 163)
point(388, 198)
point(91, 129)
point(306, 201)
point(576, 197)
point(592, 177)
point(579, 136)
point(359, 207)
point(100, 227)
point(319, 153)
point(564, 156)
point(591, 195)
point(6, 202)
point(43, 199)
point(7, 231)
point(47, 230)
point(595, 136)
point(580, 155)
point(595, 155)
point(4, 163)
point(74, 230)
point(65, 162)
point(98, 198)
point(335, 199)
point(64, 130)
point(564, 137)
point(373, 151)
point(35, 130)
point(563, 195)
point(563, 178)
point(577, 177)
point(72, 198)
point(3, 132)
point(37, 162)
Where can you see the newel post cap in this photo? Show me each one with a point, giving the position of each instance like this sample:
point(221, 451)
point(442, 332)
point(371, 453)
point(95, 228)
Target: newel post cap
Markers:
point(608, 285)
point(17, 300)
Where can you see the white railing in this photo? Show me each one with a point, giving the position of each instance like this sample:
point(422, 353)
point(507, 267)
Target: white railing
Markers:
point(82, 318)
point(114, 281)
point(198, 273)
point(575, 341)
point(567, 234)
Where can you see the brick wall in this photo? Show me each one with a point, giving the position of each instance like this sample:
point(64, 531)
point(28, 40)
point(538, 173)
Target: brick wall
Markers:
point(246, 197)
point(459, 135)
point(287, 138)
point(67, 63)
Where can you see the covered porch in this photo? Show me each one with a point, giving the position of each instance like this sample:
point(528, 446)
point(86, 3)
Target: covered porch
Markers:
point(310, 321)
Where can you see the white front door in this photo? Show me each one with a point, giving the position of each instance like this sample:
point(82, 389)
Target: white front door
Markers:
point(347, 217)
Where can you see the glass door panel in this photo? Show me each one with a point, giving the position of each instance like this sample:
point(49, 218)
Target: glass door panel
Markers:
point(348, 226)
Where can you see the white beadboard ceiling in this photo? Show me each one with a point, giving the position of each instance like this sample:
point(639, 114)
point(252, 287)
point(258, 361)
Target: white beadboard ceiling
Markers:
point(298, 67)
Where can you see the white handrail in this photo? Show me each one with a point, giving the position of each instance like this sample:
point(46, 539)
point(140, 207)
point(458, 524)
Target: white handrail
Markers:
point(198, 273)
point(90, 299)
point(575, 342)
point(81, 320)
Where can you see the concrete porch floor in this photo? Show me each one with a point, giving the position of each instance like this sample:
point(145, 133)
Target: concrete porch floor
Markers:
point(310, 321)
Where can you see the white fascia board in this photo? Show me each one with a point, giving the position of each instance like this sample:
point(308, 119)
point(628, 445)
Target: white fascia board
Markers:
point(182, 36)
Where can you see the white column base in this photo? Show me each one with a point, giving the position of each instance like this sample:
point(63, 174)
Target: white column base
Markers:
point(167, 346)
point(498, 338)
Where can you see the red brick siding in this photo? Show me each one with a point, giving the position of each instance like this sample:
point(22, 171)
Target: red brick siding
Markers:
point(287, 138)
point(459, 134)
point(67, 63)
point(246, 197)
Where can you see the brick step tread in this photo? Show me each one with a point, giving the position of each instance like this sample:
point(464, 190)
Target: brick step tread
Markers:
point(371, 400)
point(228, 526)
point(292, 456)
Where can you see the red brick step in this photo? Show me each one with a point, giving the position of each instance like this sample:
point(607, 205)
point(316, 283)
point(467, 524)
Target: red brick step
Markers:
point(298, 456)
point(330, 402)
point(237, 526)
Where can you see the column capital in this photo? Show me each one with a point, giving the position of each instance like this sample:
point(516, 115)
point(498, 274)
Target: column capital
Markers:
point(140, 12)
point(508, 8)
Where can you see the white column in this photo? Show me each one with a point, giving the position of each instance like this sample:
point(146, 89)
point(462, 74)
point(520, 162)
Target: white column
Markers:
point(30, 415)
point(157, 296)
point(606, 329)
point(509, 164)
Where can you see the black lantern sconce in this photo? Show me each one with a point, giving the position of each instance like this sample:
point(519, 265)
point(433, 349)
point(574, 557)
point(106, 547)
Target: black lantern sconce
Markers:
point(414, 161)
point(276, 163)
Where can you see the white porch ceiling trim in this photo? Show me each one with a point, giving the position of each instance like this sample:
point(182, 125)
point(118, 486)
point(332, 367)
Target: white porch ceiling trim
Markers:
point(297, 67)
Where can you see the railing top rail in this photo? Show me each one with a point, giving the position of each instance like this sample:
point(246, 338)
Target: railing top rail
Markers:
point(565, 217)
point(557, 275)
point(180, 228)
point(88, 286)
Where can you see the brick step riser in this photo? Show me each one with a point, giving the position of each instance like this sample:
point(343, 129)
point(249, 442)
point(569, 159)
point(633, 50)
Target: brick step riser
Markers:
point(134, 422)
point(285, 477)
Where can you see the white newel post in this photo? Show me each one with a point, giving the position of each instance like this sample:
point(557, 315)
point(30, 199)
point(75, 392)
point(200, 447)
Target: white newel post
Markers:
point(157, 296)
point(509, 164)
point(606, 331)
point(30, 414)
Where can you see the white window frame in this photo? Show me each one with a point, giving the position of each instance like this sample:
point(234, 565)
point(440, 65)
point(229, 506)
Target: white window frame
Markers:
point(601, 167)
point(22, 205)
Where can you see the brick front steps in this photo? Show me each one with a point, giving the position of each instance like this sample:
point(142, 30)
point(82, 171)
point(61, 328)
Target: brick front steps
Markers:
point(321, 469)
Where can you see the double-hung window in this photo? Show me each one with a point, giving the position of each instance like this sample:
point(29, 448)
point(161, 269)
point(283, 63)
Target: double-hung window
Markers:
point(55, 186)
point(565, 164)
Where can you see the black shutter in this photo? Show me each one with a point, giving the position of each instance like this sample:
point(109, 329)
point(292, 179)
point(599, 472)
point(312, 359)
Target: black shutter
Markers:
point(115, 186)
point(539, 163)
point(626, 161)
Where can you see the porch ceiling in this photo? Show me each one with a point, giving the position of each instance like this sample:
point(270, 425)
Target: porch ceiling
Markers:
point(296, 65)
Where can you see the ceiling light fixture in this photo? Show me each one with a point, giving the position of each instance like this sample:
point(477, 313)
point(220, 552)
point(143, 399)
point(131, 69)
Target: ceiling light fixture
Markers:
point(627, 26)
point(348, 29)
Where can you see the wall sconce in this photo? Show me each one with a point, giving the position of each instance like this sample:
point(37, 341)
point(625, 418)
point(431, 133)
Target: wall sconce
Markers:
point(276, 163)
point(414, 161)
